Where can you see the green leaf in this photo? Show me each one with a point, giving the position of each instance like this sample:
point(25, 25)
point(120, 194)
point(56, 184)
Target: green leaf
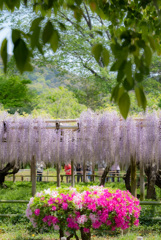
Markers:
point(62, 26)
point(140, 43)
point(12, 4)
point(96, 51)
point(78, 13)
point(16, 34)
point(1, 4)
point(128, 71)
point(28, 67)
point(137, 62)
point(35, 23)
point(132, 48)
point(4, 53)
point(116, 65)
point(143, 68)
point(124, 104)
point(105, 56)
point(39, 46)
point(116, 48)
point(54, 41)
point(47, 32)
point(17, 5)
point(128, 86)
point(119, 94)
point(99, 32)
point(114, 93)
point(140, 96)
point(120, 75)
point(25, 2)
point(139, 77)
point(35, 37)
point(148, 55)
point(21, 54)
point(152, 43)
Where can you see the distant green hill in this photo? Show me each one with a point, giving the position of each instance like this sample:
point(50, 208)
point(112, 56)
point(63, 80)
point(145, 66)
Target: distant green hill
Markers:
point(42, 77)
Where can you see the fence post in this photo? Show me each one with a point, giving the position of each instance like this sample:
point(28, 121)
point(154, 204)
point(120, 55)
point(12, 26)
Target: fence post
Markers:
point(58, 174)
point(93, 171)
point(61, 178)
point(84, 171)
point(33, 175)
point(72, 173)
point(133, 176)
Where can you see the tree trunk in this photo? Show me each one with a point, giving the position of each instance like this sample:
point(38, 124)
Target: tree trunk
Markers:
point(103, 177)
point(61, 233)
point(5, 171)
point(71, 236)
point(2, 179)
point(85, 236)
point(84, 171)
point(133, 176)
point(33, 175)
point(58, 174)
point(151, 172)
point(158, 179)
point(127, 179)
point(72, 173)
point(142, 184)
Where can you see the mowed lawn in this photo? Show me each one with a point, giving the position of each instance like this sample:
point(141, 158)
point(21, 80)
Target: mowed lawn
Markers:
point(19, 228)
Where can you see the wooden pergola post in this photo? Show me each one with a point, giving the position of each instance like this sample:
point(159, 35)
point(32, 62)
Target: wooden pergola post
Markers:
point(142, 185)
point(58, 174)
point(84, 171)
point(93, 171)
point(72, 174)
point(133, 176)
point(33, 175)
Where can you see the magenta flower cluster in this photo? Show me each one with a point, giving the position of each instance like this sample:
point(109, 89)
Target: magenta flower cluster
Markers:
point(95, 208)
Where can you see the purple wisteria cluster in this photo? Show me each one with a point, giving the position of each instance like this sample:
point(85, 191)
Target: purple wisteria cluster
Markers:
point(68, 210)
point(101, 138)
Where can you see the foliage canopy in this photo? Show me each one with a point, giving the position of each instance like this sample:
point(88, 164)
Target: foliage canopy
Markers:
point(134, 30)
point(15, 94)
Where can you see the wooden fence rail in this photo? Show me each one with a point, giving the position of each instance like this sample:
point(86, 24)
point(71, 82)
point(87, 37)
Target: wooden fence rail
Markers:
point(154, 203)
point(109, 176)
point(14, 201)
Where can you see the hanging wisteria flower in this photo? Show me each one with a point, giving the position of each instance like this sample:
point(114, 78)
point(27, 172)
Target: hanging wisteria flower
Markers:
point(102, 138)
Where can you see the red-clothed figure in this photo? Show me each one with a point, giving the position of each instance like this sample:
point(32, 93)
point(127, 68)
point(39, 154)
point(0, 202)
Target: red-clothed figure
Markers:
point(68, 169)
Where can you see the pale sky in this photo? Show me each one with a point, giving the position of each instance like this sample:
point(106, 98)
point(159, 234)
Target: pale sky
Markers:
point(6, 33)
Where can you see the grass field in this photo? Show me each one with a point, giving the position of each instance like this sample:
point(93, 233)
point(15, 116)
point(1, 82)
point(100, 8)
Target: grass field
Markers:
point(19, 228)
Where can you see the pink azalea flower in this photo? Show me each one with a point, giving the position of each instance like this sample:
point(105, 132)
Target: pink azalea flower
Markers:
point(86, 230)
point(65, 206)
point(37, 212)
point(56, 227)
point(53, 208)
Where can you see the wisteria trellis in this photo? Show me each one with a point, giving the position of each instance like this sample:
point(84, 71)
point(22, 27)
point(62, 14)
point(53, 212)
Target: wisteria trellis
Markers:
point(101, 138)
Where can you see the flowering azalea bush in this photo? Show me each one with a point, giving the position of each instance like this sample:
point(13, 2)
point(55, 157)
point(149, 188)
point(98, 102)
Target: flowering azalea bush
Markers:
point(69, 210)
